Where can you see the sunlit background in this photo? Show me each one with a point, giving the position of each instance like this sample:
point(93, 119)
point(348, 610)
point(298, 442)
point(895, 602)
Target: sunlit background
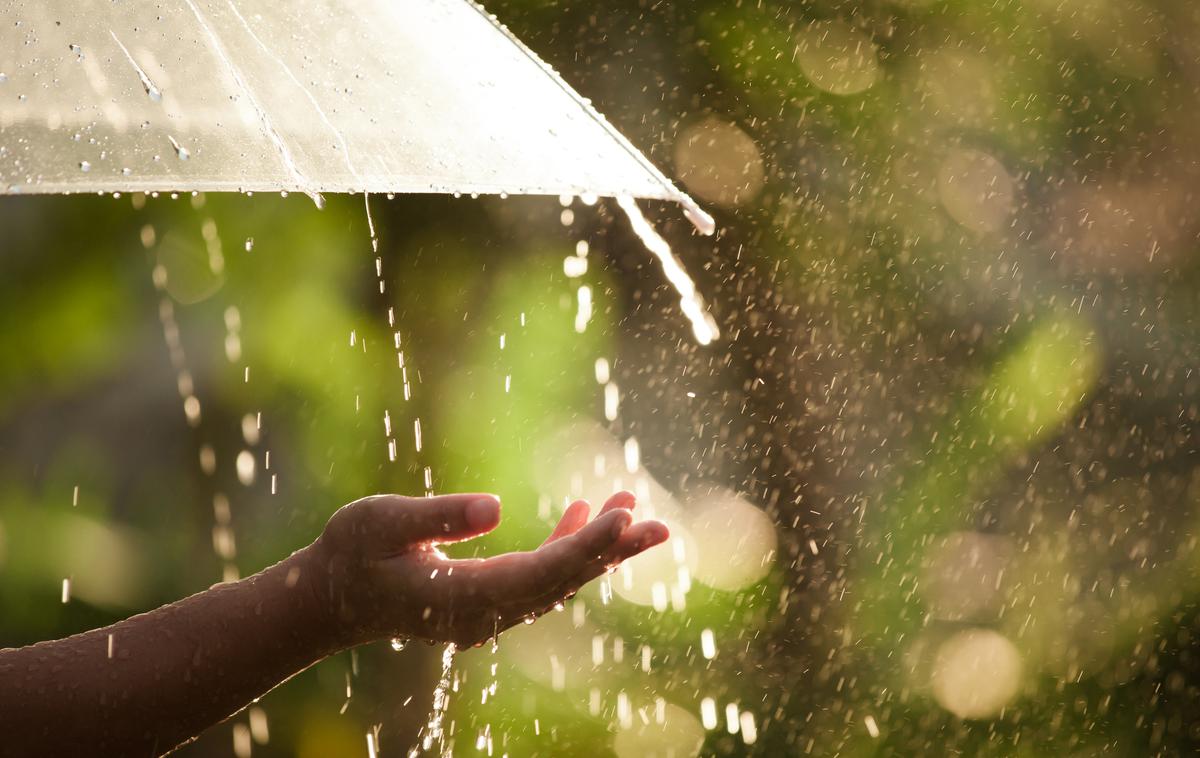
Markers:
point(934, 490)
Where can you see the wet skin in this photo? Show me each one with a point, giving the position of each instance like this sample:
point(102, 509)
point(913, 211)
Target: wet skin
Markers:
point(154, 681)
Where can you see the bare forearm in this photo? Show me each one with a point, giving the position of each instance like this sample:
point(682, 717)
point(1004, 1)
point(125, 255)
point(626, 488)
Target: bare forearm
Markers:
point(144, 685)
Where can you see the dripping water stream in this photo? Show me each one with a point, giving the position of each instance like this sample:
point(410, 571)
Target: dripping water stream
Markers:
point(255, 728)
point(432, 732)
point(704, 328)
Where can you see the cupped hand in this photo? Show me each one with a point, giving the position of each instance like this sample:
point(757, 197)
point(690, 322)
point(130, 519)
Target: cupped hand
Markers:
point(380, 573)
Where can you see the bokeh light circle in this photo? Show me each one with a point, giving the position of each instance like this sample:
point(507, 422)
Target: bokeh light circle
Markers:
point(678, 734)
point(976, 190)
point(837, 58)
point(719, 162)
point(735, 539)
point(976, 673)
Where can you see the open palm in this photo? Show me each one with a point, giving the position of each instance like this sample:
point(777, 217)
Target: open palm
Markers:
point(381, 573)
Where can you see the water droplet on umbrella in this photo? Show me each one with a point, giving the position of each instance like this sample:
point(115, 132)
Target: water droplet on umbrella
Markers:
point(152, 91)
point(180, 150)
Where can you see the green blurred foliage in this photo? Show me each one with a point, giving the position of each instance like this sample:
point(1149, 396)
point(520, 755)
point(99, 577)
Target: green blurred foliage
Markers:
point(902, 363)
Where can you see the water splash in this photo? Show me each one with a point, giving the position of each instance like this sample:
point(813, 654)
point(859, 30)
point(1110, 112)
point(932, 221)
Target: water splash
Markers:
point(703, 325)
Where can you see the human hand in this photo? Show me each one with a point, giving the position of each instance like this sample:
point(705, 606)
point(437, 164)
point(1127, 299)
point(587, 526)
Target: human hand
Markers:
point(378, 569)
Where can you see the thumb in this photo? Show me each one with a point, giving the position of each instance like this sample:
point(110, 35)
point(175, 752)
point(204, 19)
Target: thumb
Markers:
point(397, 522)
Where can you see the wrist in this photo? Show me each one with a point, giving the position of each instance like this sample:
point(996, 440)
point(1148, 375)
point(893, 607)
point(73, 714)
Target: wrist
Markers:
point(307, 578)
point(331, 588)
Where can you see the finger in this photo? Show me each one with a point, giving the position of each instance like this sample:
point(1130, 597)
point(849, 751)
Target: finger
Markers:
point(636, 539)
point(639, 538)
point(574, 517)
point(552, 564)
point(516, 585)
point(524, 578)
point(623, 499)
point(401, 521)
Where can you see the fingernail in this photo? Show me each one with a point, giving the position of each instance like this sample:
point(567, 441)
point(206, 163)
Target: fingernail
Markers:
point(620, 523)
point(483, 513)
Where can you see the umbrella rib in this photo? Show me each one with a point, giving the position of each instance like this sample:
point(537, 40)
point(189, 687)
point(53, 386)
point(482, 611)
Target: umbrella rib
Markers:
point(337, 134)
point(285, 155)
point(697, 215)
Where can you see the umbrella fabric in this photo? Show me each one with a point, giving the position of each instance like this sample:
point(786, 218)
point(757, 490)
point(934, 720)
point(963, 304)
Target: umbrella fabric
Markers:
point(299, 95)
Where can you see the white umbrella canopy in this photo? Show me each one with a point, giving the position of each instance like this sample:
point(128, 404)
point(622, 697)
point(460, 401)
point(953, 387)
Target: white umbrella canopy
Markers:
point(296, 95)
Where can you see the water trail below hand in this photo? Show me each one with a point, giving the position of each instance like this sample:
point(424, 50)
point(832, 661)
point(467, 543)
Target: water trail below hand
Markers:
point(433, 731)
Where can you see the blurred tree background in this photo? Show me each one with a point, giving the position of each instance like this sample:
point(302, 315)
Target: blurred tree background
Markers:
point(935, 490)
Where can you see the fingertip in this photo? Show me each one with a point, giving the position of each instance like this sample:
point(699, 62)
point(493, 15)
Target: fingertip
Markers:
point(600, 534)
point(656, 533)
point(620, 522)
point(623, 499)
point(641, 537)
point(483, 513)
